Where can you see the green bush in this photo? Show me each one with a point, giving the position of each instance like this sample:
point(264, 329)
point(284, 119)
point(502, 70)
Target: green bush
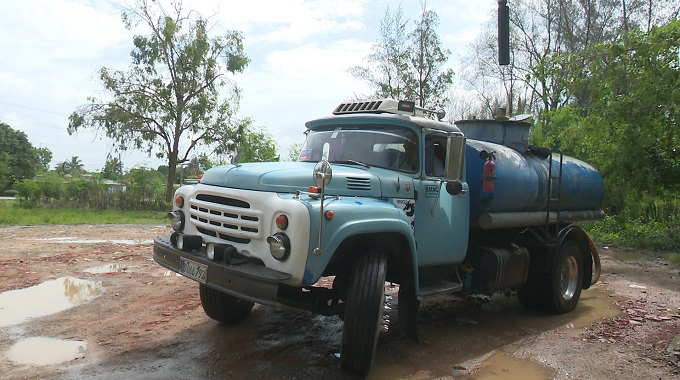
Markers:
point(10, 193)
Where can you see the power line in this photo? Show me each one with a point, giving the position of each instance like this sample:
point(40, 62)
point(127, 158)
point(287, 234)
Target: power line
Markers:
point(33, 108)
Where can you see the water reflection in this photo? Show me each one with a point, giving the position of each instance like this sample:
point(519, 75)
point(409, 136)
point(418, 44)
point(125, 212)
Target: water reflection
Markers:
point(18, 306)
point(45, 351)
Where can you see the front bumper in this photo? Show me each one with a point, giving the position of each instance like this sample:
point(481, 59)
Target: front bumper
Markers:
point(247, 281)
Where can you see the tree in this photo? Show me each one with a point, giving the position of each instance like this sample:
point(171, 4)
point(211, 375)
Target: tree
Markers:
point(74, 166)
point(257, 145)
point(631, 127)
point(170, 99)
point(387, 61)
point(428, 79)
point(408, 65)
point(541, 32)
point(294, 151)
point(18, 158)
point(44, 158)
point(113, 168)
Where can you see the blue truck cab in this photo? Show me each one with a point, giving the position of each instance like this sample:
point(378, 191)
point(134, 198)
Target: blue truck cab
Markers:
point(382, 191)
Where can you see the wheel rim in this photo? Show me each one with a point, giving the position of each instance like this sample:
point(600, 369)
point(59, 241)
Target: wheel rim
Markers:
point(569, 278)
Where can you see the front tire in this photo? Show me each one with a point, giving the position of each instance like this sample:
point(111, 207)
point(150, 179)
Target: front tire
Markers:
point(223, 307)
point(363, 313)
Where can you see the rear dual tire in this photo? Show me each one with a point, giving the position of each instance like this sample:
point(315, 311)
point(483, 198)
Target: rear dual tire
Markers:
point(559, 291)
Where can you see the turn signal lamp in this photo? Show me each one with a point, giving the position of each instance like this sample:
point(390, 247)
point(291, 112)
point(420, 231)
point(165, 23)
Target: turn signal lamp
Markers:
point(314, 189)
point(179, 201)
point(282, 222)
point(329, 214)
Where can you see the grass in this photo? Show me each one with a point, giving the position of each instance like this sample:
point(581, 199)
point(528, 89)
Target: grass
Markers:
point(12, 215)
point(652, 238)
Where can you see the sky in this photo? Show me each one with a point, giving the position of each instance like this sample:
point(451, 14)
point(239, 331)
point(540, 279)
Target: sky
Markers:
point(300, 50)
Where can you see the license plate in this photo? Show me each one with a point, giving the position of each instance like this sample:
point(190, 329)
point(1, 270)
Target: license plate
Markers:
point(193, 270)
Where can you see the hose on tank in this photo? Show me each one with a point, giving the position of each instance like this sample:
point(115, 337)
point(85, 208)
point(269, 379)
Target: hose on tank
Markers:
point(596, 260)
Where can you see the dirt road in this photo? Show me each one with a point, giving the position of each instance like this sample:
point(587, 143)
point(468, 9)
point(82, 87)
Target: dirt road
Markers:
point(85, 301)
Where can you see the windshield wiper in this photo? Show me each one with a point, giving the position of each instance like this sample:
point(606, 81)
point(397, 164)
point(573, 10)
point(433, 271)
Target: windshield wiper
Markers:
point(351, 162)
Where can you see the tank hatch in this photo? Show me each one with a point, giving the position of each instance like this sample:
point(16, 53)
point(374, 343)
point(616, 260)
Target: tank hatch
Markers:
point(512, 133)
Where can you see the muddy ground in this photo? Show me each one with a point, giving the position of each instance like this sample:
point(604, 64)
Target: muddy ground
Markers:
point(87, 301)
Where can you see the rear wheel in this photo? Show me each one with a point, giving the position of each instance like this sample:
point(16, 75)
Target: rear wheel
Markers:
point(559, 291)
point(566, 281)
point(363, 313)
point(223, 307)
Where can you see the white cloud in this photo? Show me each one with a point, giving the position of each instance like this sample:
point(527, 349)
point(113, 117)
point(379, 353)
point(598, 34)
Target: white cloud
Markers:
point(300, 51)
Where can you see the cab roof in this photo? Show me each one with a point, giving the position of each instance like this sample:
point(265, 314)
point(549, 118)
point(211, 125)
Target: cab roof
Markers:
point(382, 111)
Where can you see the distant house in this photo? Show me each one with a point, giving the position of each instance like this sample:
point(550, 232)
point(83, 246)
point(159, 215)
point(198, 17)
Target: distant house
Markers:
point(113, 186)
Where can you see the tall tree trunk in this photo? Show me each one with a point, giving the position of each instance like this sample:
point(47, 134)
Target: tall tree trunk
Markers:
point(172, 169)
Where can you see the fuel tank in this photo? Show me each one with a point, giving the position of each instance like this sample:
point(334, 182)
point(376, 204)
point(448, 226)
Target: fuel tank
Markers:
point(519, 178)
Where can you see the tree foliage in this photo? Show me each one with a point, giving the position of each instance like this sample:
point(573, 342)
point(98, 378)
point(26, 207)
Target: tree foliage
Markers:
point(257, 145)
point(428, 79)
point(541, 32)
point(170, 99)
point(113, 168)
point(631, 126)
point(387, 61)
point(408, 65)
point(18, 158)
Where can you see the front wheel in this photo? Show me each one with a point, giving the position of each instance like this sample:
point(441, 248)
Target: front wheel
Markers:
point(363, 313)
point(223, 307)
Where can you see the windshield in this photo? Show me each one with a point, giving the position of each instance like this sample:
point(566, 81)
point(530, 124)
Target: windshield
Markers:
point(386, 147)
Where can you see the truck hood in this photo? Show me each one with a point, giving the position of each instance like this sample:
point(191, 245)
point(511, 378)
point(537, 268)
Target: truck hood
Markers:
point(289, 177)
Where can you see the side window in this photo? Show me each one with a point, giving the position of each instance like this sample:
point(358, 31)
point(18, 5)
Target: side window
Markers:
point(435, 155)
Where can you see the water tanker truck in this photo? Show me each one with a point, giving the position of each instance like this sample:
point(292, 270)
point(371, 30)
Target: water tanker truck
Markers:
point(383, 192)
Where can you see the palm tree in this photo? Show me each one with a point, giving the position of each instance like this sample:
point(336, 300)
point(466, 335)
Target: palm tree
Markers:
point(74, 166)
point(62, 168)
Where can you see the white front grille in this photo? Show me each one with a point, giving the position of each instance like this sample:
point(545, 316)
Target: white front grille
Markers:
point(226, 218)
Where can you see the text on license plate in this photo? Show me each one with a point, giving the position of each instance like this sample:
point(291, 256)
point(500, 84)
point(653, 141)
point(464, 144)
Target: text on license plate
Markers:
point(193, 270)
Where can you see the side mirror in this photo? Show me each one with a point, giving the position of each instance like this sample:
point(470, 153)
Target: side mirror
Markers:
point(322, 174)
point(455, 157)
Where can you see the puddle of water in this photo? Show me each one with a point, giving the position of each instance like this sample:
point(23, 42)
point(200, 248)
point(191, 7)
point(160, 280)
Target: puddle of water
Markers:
point(108, 268)
point(18, 306)
point(595, 304)
point(501, 366)
point(395, 371)
point(45, 351)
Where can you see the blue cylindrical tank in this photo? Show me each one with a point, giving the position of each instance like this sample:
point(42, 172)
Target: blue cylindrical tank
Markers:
point(521, 181)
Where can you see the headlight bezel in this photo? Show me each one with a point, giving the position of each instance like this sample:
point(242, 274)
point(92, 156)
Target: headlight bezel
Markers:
point(279, 246)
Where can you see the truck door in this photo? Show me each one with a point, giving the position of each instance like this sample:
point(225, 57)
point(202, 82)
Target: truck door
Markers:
point(441, 220)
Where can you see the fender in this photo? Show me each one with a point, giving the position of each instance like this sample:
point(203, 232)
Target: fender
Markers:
point(590, 274)
point(353, 217)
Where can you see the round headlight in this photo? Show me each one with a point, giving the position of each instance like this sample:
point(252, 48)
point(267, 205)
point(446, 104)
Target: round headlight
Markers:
point(279, 246)
point(176, 220)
